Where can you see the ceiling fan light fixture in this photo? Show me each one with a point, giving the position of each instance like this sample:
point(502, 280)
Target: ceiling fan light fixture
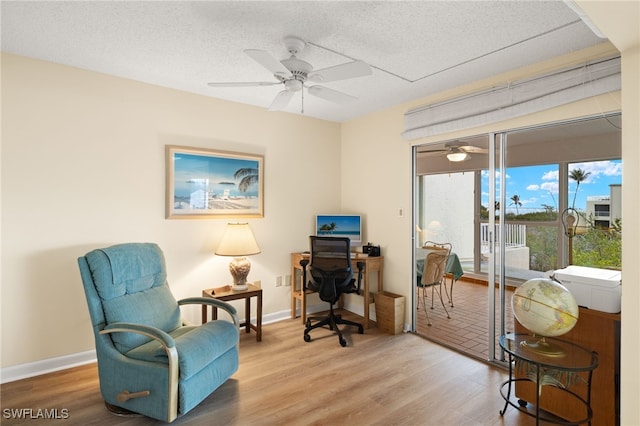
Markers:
point(457, 155)
point(293, 85)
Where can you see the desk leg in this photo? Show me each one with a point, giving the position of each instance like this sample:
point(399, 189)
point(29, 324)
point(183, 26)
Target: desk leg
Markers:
point(204, 314)
point(214, 313)
point(259, 318)
point(366, 299)
point(294, 286)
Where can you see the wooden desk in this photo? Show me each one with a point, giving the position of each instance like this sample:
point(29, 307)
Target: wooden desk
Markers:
point(599, 331)
point(372, 264)
point(226, 294)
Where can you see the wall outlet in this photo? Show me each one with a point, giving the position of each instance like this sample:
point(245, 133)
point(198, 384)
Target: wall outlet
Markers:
point(287, 280)
point(279, 281)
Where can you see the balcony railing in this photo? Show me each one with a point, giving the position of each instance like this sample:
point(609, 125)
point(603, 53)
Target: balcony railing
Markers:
point(515, 235)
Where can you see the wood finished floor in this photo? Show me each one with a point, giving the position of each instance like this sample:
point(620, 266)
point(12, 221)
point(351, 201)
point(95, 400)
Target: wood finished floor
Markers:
point(378, 379)
point(467, 329)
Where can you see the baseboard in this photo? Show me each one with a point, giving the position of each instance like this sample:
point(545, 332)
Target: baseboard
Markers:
point(37, 368)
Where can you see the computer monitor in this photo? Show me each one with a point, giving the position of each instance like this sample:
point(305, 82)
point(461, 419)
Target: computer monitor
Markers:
point(340, 225)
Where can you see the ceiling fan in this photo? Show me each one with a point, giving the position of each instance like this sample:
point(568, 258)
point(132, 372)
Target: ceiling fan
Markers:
point(295, 74)
point(455, 151)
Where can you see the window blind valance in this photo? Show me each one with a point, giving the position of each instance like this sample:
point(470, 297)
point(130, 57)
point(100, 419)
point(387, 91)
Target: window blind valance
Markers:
point(515, 99)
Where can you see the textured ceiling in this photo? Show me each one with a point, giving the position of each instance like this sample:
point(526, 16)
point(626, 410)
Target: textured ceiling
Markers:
point(415, 48)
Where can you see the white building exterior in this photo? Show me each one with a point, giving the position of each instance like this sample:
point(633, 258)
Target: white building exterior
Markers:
point(605, 209)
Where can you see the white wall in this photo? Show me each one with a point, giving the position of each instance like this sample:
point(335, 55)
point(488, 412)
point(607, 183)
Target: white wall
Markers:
point(83, 167)
point(620, 22)
point(448, 211)
point(376, 174)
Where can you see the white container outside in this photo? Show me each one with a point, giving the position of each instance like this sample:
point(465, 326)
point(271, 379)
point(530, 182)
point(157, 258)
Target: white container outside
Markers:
point(593, 288)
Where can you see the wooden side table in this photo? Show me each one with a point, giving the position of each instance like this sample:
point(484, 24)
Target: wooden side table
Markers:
point(226, 294)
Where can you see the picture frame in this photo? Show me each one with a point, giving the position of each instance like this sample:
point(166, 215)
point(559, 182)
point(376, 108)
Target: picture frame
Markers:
point(205, 183)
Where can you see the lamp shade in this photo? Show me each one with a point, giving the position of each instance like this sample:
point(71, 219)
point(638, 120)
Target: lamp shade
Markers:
point(237, 240)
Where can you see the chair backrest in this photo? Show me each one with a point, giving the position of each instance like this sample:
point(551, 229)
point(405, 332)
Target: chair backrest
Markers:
point(432, 246)
point(330, 266)
point(128, 283)
point(435, 262)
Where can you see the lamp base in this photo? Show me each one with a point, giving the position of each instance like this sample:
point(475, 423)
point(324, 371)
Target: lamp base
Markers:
point(239, 268)
point(239, 287)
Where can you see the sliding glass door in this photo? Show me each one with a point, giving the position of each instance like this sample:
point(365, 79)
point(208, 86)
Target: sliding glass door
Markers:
point(503, 209)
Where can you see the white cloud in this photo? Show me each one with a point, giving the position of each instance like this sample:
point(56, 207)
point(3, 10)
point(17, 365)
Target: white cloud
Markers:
point(597, 168)
point(533, 187)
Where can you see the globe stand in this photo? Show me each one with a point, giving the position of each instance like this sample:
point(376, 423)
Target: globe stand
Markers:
point(542, 347)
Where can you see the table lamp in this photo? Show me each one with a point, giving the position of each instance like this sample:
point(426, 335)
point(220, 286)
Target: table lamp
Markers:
point(238, 241)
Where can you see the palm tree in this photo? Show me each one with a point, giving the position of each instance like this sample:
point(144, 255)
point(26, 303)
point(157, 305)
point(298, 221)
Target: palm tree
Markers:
point(516, 201)
point(547, 208)
point(578, 175)
point(248, 176)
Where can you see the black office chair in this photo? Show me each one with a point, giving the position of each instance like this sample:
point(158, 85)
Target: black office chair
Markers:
point(331, 275)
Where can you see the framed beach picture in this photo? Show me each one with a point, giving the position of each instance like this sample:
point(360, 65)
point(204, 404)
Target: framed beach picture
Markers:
point(205, 183)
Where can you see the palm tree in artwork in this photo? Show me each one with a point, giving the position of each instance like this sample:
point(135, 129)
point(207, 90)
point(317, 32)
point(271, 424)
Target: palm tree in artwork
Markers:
point(328, 227)
point(248, 176)
point(515, 200)
point(578, 175)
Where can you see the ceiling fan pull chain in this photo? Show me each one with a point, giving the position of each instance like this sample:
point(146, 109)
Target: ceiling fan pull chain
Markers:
point(302, 105)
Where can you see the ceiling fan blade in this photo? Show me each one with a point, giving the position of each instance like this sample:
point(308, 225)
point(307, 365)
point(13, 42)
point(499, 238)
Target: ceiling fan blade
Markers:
point(265, 59)
point(330, 94)
point(474, 149)
point(244, 84)
point(281, 101)
point(340, 72)
point(433, 153)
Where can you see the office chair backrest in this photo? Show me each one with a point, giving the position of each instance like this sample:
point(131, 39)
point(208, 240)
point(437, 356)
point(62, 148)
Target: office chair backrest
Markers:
point(330, 266)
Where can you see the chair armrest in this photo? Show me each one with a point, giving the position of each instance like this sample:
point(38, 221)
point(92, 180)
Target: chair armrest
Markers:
point(304, 263)
point(169, 346)
point(154, 333)
point(212, 302)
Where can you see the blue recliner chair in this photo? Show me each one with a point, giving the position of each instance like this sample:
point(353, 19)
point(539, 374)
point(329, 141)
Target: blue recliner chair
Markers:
point(149, 361)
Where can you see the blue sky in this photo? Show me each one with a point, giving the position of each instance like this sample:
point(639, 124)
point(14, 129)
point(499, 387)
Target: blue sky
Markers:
point(212, 174)
point(538, 185)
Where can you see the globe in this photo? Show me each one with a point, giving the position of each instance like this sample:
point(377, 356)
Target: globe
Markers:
point(545, 307)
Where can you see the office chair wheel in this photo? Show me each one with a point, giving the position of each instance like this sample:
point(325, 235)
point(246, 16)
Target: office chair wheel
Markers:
point(307, 338)
point(343, 342)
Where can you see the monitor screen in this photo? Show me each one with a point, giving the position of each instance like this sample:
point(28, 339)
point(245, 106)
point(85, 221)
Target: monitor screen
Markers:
point(340, 225)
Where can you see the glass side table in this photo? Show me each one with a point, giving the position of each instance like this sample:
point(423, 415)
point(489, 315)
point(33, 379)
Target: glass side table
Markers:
point(548, 362)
